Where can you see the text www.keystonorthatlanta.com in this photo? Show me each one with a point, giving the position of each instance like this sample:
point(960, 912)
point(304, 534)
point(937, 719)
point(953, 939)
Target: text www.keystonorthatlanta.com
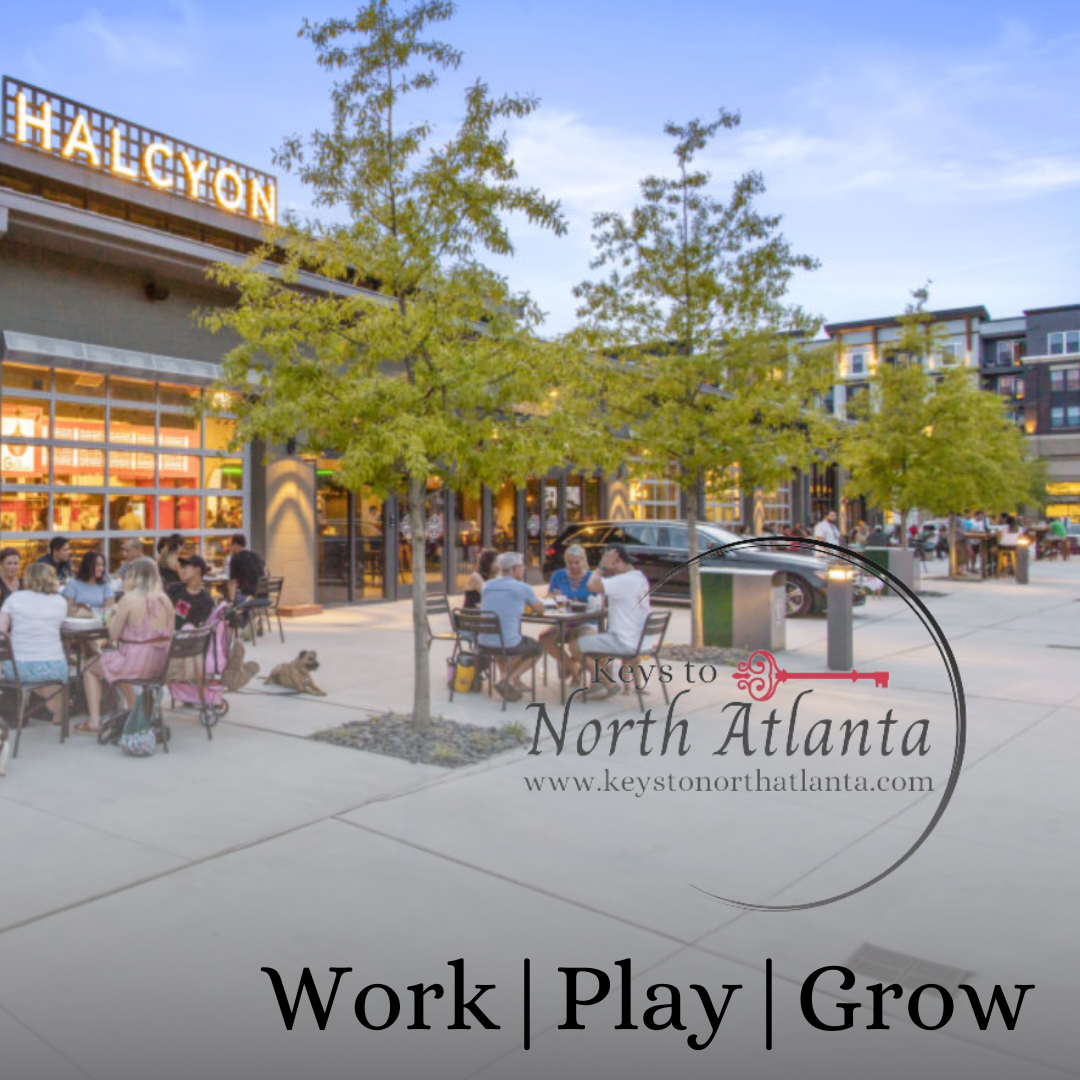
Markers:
point(757, 781)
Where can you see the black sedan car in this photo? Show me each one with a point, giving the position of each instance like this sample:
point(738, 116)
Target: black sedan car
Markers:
point(659, 546)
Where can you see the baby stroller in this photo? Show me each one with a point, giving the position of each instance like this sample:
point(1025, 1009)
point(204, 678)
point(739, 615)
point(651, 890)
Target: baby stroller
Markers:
point(212, 703)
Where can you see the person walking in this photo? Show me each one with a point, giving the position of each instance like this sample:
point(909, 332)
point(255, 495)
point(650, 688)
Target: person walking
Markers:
point(827, 529)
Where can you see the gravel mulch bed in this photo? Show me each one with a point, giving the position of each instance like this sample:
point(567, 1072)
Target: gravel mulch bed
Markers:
point(445, 742)
point(703, 654)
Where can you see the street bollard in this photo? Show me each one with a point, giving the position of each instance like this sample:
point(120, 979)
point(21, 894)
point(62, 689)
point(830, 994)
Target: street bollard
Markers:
point(1023, 553)
point(838, 592)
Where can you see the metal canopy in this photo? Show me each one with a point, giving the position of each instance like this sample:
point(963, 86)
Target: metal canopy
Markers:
point(82, 356)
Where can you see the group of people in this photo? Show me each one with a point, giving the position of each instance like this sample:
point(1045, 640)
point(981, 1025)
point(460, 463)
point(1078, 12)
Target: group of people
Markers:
point(498, 586)
point(971, 532)
point(143, 605)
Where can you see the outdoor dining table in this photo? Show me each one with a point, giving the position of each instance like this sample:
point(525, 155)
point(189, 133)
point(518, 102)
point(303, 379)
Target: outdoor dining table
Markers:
point(217, 582)
point(82, 640)
point(84, 644)
point(566, 619)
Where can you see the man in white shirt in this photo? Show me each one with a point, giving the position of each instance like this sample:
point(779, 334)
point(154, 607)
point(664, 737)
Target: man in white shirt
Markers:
point(627, 592)
point(826, 529)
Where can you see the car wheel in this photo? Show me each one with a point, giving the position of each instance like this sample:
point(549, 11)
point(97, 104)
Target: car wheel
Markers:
point(799, 597)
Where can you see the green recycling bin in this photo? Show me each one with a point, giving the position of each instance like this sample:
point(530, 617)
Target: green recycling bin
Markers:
point(744, 609)
point(903, 563)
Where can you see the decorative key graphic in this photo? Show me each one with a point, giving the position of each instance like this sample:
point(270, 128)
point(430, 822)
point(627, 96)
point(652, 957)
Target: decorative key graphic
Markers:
point(759, 675)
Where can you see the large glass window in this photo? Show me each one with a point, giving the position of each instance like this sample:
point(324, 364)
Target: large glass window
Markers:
point(80, 383)
point(1009, 353)
point(23, 377)
point(1065, 378)
point(1064, 343)
point(724, 504)
point(654, 498)
point(78, 513)
point(23, 463)
point(106, 457)
point(776, 508)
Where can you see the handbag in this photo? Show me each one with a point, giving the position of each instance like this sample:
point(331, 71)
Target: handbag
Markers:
point(138, 738)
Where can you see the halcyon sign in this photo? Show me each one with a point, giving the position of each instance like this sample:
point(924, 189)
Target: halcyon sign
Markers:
point(43, 121)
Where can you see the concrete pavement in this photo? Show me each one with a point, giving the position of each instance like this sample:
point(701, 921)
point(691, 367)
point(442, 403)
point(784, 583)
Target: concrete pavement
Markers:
point(140, 899)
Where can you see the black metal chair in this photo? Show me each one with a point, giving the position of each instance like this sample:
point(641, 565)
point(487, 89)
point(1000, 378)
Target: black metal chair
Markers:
point(187, 651)
point(23, 691)
point(649, 645)
point(469, 625)
point(435, 606)
point(265, 605)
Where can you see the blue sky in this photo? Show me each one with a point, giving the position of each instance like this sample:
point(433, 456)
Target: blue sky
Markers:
point(901, 143)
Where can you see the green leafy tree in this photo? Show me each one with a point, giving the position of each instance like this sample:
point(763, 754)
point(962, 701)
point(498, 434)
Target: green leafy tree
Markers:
point(888, 448)
point(412, 360)
point(938, 443)
point(704, 369)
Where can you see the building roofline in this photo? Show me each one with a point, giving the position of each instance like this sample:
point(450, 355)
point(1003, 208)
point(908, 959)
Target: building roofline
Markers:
point(1051, 310)
point(66, 228)
point(944, 315)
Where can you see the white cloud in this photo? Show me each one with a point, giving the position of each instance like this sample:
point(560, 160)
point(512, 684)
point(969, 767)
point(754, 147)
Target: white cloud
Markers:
point(168, 39)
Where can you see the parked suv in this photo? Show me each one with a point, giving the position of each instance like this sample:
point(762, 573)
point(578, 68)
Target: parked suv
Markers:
point(660, 546)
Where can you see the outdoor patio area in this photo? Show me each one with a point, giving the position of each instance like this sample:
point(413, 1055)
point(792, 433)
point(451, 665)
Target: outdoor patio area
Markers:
point(139, 899)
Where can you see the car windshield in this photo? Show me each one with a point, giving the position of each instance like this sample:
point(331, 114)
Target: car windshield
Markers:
point(713, 536)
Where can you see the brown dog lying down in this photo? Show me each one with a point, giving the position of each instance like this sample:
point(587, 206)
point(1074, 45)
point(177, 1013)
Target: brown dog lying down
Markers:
point(296, 675)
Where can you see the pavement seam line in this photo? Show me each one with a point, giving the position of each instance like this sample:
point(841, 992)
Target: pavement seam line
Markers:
point(52, 1046)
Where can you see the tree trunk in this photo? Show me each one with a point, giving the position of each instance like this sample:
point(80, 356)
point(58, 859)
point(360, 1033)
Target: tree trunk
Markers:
point(953, 568)
point(697, 629)
point(421, 654)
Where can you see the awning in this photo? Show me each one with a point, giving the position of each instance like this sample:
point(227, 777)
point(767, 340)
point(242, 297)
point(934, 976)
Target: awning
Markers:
point(82, 356)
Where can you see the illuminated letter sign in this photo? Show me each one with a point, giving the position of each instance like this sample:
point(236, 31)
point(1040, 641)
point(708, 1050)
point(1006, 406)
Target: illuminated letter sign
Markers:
point(42, 121)
point(162, 183)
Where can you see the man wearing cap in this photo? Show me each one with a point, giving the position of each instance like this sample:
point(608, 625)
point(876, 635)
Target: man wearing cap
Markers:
point(190, 598)
point(509, 597)
point(627, 591)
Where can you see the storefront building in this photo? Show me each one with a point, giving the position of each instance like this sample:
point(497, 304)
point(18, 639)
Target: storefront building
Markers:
point(107, 229)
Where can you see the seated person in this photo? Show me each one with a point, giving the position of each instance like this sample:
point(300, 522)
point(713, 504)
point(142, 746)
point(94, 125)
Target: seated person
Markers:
point(59, 558)
point(168, 559)
point(1059, 537)
point(91, 588)
point(627, 593)
point(1010, 534)
point(141, 629)
point(509, 597)
point(10, 582)
point(130, 550)
point(190, 598)
point(475, 582)
point(33, 616)
point(570, 581)
point(246, 569)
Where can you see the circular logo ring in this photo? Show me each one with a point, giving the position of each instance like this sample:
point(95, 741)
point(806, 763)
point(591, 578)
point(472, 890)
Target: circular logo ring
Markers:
point(922, 612)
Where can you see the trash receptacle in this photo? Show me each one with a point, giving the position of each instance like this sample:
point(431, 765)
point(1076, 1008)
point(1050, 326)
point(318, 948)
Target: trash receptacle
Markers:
point(900, 562)
point(744, 609)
